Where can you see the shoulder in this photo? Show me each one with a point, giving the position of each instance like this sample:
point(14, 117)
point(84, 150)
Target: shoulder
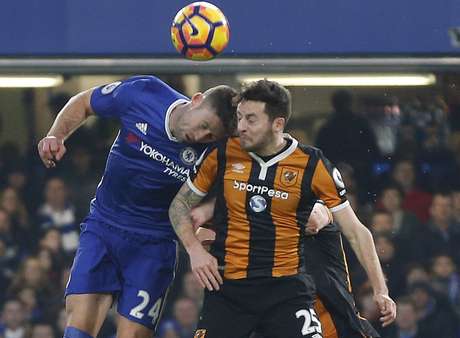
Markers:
point(310, 150)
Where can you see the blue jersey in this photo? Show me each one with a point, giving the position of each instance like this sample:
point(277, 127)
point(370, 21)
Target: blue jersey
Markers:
point(146, 165)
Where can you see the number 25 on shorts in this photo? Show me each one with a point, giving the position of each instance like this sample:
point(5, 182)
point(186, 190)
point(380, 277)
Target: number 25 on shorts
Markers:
point(311, 324)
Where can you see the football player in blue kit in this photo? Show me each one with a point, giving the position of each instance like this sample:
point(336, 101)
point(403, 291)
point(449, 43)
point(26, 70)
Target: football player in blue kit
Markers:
point(127, 249)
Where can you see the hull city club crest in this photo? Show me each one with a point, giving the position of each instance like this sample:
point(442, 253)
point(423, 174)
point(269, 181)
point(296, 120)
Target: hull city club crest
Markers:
point(289, 176)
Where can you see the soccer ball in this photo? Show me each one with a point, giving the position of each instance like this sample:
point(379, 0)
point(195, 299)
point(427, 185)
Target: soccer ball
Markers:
point(200, 31)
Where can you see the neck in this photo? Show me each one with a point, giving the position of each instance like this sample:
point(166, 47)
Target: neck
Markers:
point(175, 117)
point(273, 146)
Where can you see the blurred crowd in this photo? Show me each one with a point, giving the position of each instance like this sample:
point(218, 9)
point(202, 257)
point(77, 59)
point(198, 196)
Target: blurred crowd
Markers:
point(400, 163)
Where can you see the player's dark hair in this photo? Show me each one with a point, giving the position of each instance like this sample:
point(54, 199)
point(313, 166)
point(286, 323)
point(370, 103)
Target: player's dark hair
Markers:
point(277, 98)
point(223, 99)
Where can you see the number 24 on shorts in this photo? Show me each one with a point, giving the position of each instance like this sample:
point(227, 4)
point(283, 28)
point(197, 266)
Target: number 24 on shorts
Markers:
point(154, 312)
point(311, 324)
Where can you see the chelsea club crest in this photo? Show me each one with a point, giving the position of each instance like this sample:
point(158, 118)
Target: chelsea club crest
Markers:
point(188, 155)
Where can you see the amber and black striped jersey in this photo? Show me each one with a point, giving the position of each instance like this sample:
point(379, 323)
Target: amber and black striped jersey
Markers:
point(262, 207)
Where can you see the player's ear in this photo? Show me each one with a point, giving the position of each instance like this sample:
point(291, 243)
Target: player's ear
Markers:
point(197, 98)
point(279, 124)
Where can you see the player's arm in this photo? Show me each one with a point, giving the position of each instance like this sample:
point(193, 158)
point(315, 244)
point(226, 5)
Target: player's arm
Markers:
point(204, 265)
point(51, 148)
point(203, 213)
point(327, 184)
point(362, 243)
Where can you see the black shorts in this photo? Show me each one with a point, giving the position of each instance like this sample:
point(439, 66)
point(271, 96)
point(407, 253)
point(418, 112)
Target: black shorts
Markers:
point(276, 307)
point(343, 321)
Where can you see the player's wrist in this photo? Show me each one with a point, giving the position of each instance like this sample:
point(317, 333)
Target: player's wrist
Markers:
point(193, 246)
point(383, 292)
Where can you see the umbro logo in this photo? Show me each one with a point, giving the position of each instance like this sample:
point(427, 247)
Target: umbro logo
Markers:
point(142, 127)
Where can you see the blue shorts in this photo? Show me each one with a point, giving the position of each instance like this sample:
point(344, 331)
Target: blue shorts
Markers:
point(135, 268)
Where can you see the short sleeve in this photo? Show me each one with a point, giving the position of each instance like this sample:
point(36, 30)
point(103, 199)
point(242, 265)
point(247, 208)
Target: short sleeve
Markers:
point(328, 186)
point(204, 172)
point(111, 100)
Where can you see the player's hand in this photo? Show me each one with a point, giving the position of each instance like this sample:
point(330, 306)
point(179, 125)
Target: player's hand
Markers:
point(205, 268)
point(51, 149)
point(387, 308)
point(319, 217)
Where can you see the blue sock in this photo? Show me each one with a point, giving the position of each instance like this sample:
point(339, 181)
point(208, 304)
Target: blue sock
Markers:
point(73, 332)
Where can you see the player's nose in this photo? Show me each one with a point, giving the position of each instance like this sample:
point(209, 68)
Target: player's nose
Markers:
point(241, 126)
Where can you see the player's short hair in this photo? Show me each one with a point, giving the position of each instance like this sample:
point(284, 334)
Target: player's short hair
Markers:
point(223, 99)
point(276, 97)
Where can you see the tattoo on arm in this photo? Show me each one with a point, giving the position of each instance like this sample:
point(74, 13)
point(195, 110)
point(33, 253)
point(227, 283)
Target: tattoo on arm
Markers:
point(179, 211)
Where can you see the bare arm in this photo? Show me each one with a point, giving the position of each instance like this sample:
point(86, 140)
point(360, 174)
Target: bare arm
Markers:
point(362, 244)
point(204, 266)
point(180, 217)
point(72, 115)
point(51, 148)
point(203, 213)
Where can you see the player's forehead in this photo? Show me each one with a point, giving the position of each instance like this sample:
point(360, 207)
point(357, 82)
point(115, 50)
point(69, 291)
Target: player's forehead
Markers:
point(249, 107)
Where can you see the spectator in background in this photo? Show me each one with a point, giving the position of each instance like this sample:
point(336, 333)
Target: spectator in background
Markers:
point(12, 204)
point(456, 205)
point(18, 180)
point(13, 324)
point(61, 322)
point(406, 321)
point(416, 273)
point(58, 212)
point(434, 314)
point(384, 118)
point(347, 137)
point(392, 267)
point(382, 223)
point(42, 330)
point(408, 143)
point(52, 241)
point(32, 276)
point(446, 281)
point(405, 225)
point(442, 235)
point(368, 308)
point(11, 254)
point(28, 297)
point(192, 289)
point(185, 319)
point(415, 200)
point(82, 179)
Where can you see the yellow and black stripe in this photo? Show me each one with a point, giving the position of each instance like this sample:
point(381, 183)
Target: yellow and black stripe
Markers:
point(262, 207)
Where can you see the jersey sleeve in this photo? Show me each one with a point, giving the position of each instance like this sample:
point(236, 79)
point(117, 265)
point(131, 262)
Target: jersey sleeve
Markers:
point(328, 186)
point(204, 173)
point(112, 99)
